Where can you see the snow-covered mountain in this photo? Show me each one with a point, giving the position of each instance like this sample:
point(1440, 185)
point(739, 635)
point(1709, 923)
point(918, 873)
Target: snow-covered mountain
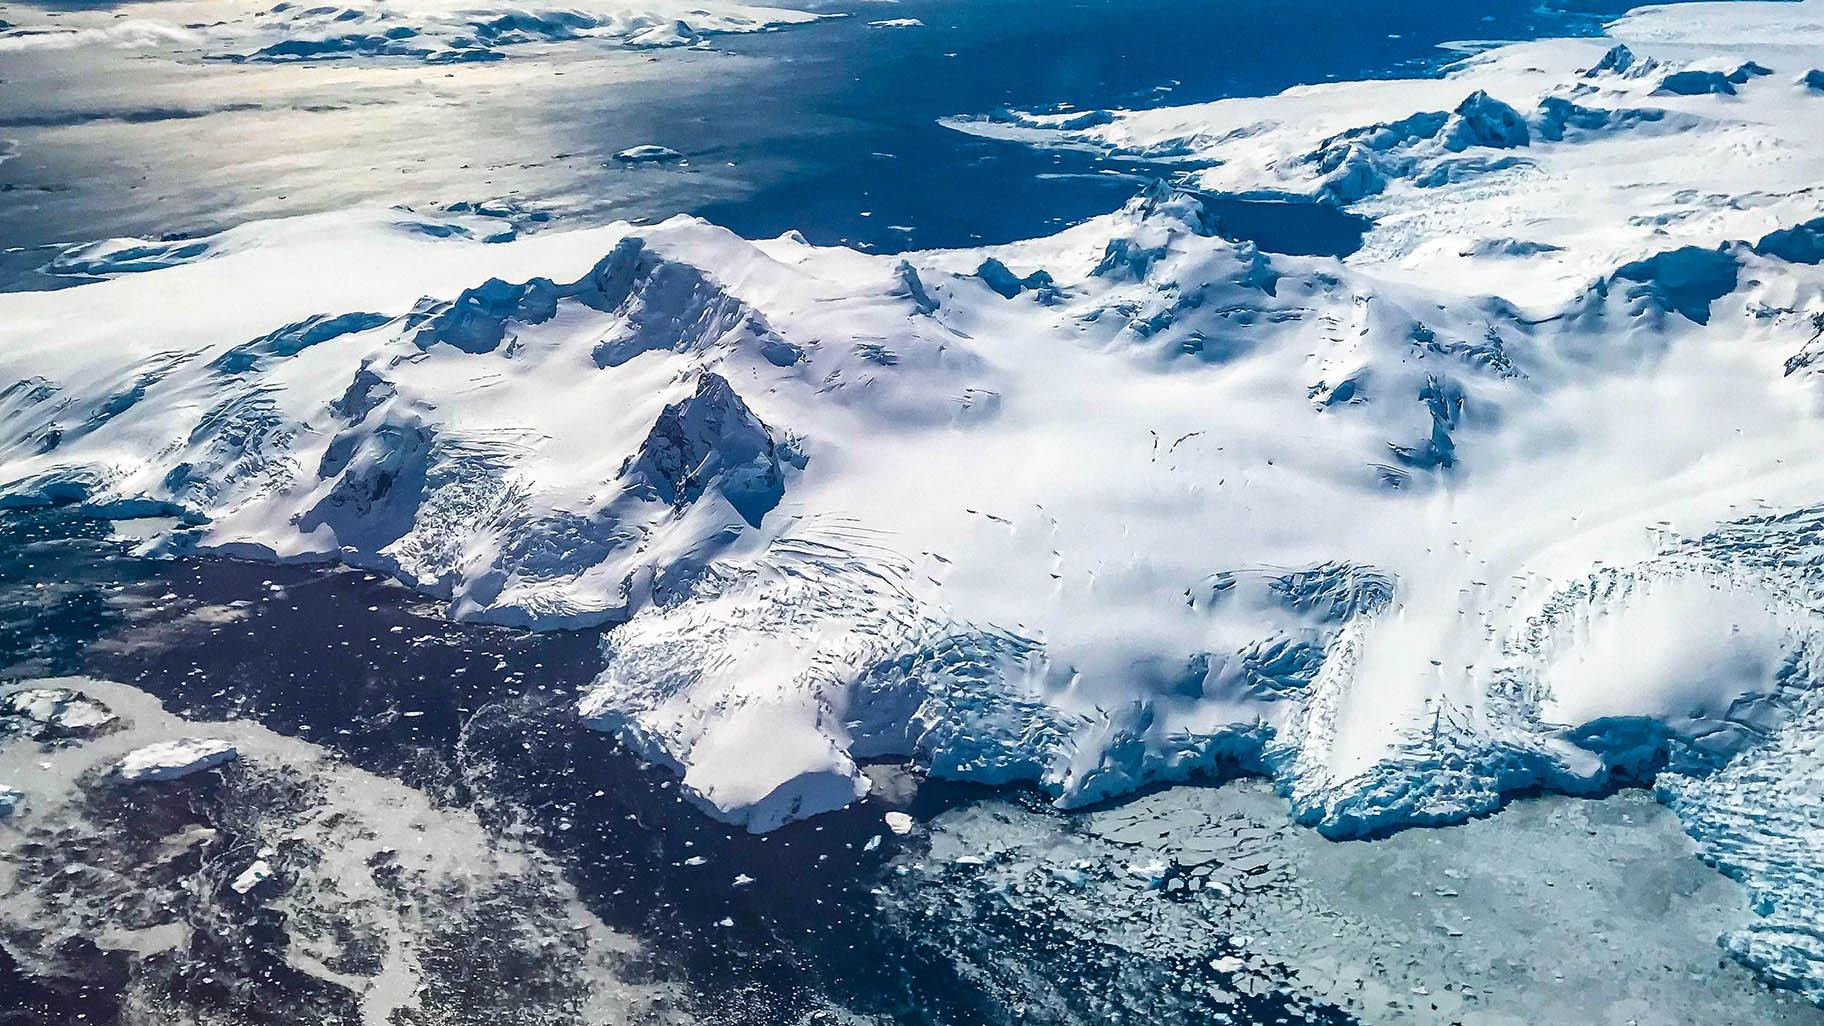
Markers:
point(1522, 495)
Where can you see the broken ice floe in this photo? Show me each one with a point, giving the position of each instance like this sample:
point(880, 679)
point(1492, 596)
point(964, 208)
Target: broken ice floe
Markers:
point(174, 760)
point(302, 886)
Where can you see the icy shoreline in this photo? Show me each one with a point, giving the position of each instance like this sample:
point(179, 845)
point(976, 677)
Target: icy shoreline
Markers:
point(434, 32)
point(1552, 911)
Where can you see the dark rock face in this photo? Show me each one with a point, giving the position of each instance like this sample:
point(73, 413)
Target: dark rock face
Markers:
point(1800, 244)
point(1559, 117)
point(1685, 280)
point(1695, 83)
point(709, 439)
point(662, 305)
point(294, 338)
point(1482, 120)
point(476, 321)
point(912, 287)
point(666, 305)
point(379, 484)
point(1619, 60)
point(1008, 285)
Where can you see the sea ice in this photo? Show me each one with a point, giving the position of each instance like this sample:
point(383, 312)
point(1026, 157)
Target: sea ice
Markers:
point(364, 896)
point(257, 872)
point(648, 154)
point(173, 760)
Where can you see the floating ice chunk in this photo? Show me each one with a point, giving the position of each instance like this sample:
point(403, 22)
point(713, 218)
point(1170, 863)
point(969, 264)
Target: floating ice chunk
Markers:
point(648, 154)
point(170, 760)
point(254, 875)
point(55, 712)
point(1152, 874)
point(899, 823)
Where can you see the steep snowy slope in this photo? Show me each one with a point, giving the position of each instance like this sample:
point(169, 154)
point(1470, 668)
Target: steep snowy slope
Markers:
point(1523, 495)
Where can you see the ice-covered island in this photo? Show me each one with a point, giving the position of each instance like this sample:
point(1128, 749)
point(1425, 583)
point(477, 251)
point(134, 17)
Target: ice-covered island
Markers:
point(1521, 495)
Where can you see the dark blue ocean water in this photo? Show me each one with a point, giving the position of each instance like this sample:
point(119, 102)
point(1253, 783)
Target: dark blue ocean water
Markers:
point(876, 169)
point(831, 128)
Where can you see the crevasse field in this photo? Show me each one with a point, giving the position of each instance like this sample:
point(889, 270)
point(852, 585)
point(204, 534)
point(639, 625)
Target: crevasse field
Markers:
point(1424, 452)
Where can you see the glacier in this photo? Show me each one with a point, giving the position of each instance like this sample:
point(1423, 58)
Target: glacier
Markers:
point(1521, 495)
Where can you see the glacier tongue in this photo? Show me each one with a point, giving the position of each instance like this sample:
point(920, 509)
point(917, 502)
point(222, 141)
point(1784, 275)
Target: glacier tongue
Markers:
point(1520, 496)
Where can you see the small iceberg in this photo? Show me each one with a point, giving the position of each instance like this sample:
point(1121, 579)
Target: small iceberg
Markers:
point(649, 154)
point(172, 760)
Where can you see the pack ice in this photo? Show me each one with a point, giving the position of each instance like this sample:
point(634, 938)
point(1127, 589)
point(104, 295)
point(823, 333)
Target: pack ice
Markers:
point(1521, 495)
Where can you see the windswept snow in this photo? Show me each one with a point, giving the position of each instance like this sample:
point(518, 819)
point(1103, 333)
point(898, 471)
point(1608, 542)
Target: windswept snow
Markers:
point(1522, 495)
